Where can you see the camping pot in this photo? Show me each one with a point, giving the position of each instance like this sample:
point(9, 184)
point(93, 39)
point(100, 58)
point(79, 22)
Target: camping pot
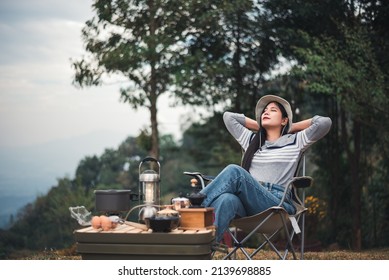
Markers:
point(112, 201)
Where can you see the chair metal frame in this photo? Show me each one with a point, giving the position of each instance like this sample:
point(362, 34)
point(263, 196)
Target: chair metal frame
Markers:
point(272, 221)
point(268, 224)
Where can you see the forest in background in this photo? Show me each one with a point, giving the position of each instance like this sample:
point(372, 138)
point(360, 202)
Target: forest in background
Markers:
point(226, 55)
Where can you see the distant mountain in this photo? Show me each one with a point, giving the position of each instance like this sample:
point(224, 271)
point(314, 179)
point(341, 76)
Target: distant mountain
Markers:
point(11, 205)
point(26, 172)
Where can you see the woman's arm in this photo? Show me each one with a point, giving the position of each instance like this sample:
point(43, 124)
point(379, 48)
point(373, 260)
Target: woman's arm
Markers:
point(313, 129)
point(301, 125)
point(236, 125)
point(251, 124)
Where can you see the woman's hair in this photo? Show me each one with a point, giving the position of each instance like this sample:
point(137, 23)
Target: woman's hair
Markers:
point(260, 137)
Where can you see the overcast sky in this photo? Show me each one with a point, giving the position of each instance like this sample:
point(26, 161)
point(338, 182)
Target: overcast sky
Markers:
point(38, 103)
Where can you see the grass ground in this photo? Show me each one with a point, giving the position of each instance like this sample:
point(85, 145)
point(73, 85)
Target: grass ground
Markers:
point(376, 254)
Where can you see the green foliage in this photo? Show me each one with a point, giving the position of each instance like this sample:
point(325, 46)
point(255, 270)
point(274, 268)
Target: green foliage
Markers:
point(288, 18)
point(376, 205)
point(228, 54)
point(202, 141)
point(144, 140)
point(347, 70)
point(340, 65)
point(87, 171)
point(46, 223)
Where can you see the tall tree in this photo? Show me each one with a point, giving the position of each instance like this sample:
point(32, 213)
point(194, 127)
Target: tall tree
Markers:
point(137, 40)
point(229, 55)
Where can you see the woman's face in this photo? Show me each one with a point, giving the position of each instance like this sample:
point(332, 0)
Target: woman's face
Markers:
point(272, 116)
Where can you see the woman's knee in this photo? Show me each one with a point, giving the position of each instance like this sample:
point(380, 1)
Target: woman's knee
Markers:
point(233, 166)
point(234, 169)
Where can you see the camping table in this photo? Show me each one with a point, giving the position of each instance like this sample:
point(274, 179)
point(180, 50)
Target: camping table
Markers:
point(130, 243)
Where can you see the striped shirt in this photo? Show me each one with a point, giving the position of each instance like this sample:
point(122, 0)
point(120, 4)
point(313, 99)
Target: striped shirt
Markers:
point(276, 162)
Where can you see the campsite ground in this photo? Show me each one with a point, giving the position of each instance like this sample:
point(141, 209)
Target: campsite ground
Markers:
point(376, 254)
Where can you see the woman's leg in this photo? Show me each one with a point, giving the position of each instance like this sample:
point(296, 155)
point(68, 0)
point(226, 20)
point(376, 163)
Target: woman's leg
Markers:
point(227, 207)
point(236, 181)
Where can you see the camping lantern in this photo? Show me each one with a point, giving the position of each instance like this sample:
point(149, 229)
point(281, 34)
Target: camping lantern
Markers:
point(149, 189)
point(150, 186)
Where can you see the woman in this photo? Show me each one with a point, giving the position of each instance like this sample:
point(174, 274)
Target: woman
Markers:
point(270, 160)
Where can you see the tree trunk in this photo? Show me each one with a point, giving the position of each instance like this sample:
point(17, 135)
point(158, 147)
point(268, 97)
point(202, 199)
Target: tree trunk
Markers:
point(153, 95)
point(335, 166)
point(154, 128)
point(238, 73)
point(356, 187)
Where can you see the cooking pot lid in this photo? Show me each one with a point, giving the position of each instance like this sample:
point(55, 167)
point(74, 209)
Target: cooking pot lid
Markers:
point(167, 211)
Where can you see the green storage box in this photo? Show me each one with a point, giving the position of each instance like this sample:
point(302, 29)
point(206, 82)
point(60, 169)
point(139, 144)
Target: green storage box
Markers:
point(126, 242)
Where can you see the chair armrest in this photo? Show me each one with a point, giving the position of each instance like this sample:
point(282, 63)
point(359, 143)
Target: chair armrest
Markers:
point(302, 182)
point(201, 178)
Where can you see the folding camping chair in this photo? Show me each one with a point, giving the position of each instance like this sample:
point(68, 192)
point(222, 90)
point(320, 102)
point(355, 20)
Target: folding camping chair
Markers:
point(272, 224)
